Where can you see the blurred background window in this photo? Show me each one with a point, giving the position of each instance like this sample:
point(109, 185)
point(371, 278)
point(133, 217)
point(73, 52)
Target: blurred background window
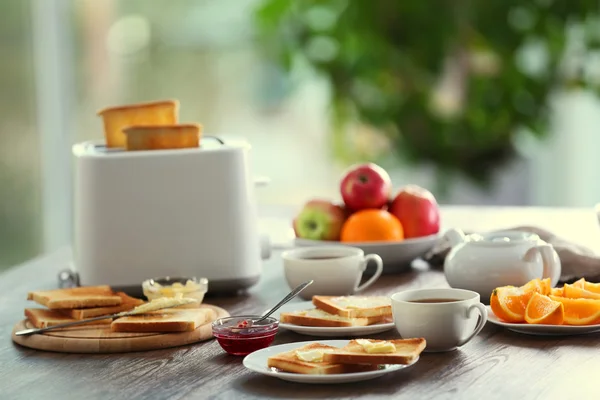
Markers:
point(62, 60)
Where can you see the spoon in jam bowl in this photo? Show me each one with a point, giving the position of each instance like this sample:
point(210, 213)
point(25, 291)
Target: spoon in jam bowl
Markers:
point(241, 335)
point(287, 298)
point(247, 323)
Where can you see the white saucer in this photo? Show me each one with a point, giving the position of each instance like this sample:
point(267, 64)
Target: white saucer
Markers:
point(257, 362)
point(321, 331)
point(543, 330)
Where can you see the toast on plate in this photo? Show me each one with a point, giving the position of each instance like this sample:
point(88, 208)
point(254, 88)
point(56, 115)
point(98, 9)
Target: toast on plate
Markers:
point(316, 317)
point(127, 303)
point(164, 112)
point(309, 360)
point(152, 137)
point(77, 297)
point(354, 306)
point(167, 320)
point(371, 351)
point(42, 318)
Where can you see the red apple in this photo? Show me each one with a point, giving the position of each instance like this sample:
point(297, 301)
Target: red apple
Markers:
point(320, 220)
point(417, 210)
point(365, 186)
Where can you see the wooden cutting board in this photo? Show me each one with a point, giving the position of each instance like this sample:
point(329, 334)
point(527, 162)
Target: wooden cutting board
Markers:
point(100, 339)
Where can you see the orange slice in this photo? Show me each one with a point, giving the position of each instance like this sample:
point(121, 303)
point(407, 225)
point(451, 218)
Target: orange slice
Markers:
point(574, 292)
point(509, 302)
point(580, 311)
point(542, 309)
point(589, 286)
point(558, 291)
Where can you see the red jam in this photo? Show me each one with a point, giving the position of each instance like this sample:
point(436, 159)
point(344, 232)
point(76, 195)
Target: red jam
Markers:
point(239, 336)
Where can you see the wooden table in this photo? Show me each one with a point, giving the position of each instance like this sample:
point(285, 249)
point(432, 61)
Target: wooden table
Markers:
point(497, 364)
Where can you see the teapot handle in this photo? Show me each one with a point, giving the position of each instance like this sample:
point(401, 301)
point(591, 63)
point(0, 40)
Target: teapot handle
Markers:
point(552, 265)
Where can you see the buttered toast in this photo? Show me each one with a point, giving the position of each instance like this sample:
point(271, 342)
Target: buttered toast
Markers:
point(77, 297)
point(167, 320)
point(371, 351)
point(316, 317)
point(309, 360)
point(354, 306)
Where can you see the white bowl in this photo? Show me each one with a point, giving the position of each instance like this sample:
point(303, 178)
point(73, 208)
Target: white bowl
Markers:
point(396, 256)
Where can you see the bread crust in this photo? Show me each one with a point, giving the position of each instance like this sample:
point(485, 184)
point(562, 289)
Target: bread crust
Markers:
point(304, 320)
point(127, 303)
point(289, 362)
point(42, 318)
point(407, 351)
point(136, 106)
point(327, 303)
point(78, 297)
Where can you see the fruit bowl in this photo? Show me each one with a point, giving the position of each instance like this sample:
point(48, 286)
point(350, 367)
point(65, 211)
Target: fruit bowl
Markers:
point(396, 256)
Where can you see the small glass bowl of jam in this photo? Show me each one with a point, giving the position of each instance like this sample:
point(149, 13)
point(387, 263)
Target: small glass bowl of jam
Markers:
point(239, 336)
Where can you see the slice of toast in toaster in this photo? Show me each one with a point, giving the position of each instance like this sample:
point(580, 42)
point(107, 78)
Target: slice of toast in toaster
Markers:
point(147, 137)
point(354, 306)
point(77, 297)
point(317, 317)
point(402, 351)
point(167, 320)
point(164, 112)
point(127, 303)
point(42, 318)
point(296, 361)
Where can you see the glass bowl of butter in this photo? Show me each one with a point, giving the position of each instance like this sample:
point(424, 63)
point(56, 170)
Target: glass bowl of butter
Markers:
point(168, 286)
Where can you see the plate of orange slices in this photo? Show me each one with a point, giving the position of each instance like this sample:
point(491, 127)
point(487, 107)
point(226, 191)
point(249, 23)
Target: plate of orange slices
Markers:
point(538, 309)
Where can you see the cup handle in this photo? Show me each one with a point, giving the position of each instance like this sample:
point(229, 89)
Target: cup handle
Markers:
point(484, 317)
point(379, 264)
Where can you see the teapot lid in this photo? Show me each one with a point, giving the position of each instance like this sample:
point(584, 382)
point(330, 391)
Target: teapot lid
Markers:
point(503, 237)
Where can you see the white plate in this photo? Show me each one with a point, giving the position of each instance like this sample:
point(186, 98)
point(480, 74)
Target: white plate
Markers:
point(543, 330)
point(325, 331)
point(257, 362)
point(396, 256)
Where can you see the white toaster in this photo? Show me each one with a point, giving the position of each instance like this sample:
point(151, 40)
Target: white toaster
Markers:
point(178, 213)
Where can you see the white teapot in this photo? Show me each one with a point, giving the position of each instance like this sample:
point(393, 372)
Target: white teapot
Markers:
point(483, 262)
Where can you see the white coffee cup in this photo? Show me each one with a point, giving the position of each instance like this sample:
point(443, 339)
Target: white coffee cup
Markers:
point(446, 318)
point(335, 270)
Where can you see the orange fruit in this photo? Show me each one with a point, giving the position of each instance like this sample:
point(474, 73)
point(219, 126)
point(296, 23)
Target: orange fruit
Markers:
point(558, 291)
point(589, 286)
point(574, 292)
point(509, 302)
point(372, 225)
point(580, 311)
point(542, 309)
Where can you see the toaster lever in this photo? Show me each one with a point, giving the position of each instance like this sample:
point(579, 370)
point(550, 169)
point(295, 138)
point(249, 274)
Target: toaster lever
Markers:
point(68, 278)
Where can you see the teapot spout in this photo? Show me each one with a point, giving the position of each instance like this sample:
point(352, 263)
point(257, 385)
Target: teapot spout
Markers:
point(454, 236)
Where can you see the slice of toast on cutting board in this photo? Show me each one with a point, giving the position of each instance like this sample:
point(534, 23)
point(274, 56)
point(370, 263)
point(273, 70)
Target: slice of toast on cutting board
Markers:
point(127, 303)
point(77, 297)
point(42, 318)
point(167, 320)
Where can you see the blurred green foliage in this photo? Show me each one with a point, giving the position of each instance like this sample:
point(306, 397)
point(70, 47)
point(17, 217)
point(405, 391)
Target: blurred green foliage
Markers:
point(20, 230)
point(449, 83)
